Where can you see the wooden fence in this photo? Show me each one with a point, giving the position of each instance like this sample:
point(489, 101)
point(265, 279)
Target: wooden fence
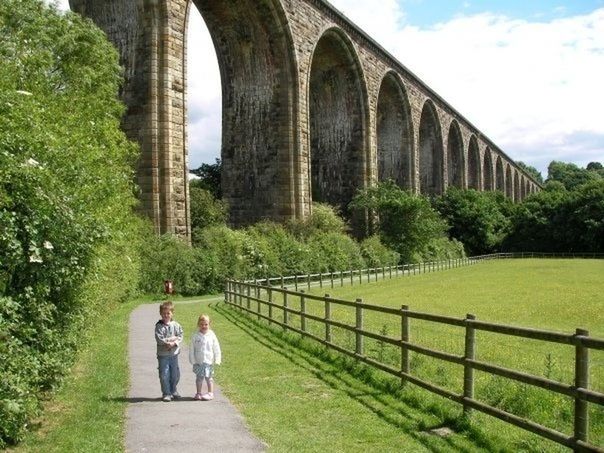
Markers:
point(360, 276)
point(251, 297)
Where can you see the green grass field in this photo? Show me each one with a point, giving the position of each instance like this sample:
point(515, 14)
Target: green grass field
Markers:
point(296, 396)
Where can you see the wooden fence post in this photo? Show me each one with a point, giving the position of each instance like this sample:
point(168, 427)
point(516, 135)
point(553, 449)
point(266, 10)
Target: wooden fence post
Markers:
point(270, 304)
point(248, 299)
point(296, 282)
point(303, 312)
point(331, 276)
point(327, 318)
point(341, 278)
point(285, 313)
point(468, 372)
point(390, 271)
point(320, 279)
point(359, 327)
point(258, 294)
point(405, 363)
point(309, 281)
point(581, 381)
point(360, 277)
point(282, 282)
point(351, 278)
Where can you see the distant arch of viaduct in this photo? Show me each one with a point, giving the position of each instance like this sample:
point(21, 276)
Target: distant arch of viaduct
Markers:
point(313, 109)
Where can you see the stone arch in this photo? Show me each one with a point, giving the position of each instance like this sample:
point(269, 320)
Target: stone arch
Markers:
point(517, 194)
point(455, 156)
point(509, 181)
point(430, 151)
point(499, 175)
point(258, 70)
point(489, 179)
point(527, 188)
point(337, 113)
point(394, 130)
point(474, 167)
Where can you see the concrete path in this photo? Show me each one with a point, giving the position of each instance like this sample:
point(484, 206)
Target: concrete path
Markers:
point(180, 426)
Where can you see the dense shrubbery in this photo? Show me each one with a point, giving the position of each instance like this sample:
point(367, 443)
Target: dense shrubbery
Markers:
point(266, 249)
point(67, 235)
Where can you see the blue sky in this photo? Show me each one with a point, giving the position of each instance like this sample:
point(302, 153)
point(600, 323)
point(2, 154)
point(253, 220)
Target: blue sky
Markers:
point(425, 13)
point(528, 74)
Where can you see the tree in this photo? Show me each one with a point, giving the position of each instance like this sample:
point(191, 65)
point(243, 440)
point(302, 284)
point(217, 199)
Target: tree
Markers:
point(532, 171)
point(406, 222)
point(480, 220)
point(209, 178)
point(570, 174)
point(67, 230)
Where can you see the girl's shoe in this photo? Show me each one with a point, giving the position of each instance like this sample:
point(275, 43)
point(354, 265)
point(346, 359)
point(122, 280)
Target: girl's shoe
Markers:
point(207, 396)
point(198, 397)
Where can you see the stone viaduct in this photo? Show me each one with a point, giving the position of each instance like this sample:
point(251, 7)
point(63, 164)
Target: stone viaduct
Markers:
point(313, 109)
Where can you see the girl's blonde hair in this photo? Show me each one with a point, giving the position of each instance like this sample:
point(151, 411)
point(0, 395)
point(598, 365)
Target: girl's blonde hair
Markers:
point(203, 317)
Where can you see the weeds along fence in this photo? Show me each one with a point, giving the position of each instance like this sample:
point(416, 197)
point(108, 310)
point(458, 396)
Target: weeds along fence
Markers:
point(294, 311)
point(360, 276)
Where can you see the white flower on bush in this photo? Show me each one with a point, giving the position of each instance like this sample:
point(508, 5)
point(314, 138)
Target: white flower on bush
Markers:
point(48, 245)
point(24, 93)
point(35, 258)
point(32, 162)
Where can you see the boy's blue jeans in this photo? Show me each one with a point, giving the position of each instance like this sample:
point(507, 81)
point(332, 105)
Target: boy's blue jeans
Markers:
point(169, 374)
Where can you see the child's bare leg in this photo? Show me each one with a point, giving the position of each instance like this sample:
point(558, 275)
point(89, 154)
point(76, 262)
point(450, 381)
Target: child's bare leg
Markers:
point(199, 384)
point(210, 383)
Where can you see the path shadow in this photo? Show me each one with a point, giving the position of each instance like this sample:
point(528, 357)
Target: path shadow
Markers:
point(373, 395)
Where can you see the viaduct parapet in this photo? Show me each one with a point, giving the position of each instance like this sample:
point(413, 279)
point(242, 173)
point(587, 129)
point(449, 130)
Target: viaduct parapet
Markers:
point(313, 109)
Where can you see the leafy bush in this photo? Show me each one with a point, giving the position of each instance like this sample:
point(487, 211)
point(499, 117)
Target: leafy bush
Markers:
point(376, 254)
point(205, 210)
point(406, 222)
point(323, 219)
point(332, 252)
point(67, 233)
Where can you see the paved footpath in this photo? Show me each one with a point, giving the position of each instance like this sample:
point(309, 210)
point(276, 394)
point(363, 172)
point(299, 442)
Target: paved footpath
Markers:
point(179, 426)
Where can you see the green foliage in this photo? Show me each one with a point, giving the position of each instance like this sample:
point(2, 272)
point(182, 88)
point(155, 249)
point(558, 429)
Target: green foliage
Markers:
point(323, 219)
point(532, 171)
point(377, 254)
point(67, 232)
point(205, 209)
point(480, 220)
point(558, 220)
point(209, 178)
point(570, 175)
point(407, 223)
point(332, 252)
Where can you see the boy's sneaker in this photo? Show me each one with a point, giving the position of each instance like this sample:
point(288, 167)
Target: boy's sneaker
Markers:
point(197, 397)
point(166, 398)
point(175, 396)
point(207, 396)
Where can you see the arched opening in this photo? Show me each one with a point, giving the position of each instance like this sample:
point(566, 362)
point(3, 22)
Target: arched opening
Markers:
point(517, 194)
point(509, 182)
point(257, 67)
point(430, 152)
point(204, 103)
point(473, 164)
point(337, 121)
point(488, 170)
point(455, 161)
point(499, 181)
point(394, 133)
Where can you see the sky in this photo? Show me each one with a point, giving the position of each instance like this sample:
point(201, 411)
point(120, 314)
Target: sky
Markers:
point(527, 73)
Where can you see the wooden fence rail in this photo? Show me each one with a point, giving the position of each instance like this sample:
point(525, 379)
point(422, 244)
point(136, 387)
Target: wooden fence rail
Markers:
point(240, 295)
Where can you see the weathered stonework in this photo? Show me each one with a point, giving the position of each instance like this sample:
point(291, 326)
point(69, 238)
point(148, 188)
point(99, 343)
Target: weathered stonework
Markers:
point(313, 109)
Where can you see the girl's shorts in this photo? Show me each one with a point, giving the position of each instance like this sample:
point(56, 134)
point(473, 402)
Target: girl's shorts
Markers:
point(204, 370)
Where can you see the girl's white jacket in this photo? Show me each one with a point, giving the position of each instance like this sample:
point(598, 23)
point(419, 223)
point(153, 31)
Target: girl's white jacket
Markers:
point(205, 348)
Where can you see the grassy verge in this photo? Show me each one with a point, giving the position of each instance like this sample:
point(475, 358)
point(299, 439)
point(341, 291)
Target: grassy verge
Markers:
point(87, 413)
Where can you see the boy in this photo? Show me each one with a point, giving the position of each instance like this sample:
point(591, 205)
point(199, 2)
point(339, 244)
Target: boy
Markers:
point(168, 336)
